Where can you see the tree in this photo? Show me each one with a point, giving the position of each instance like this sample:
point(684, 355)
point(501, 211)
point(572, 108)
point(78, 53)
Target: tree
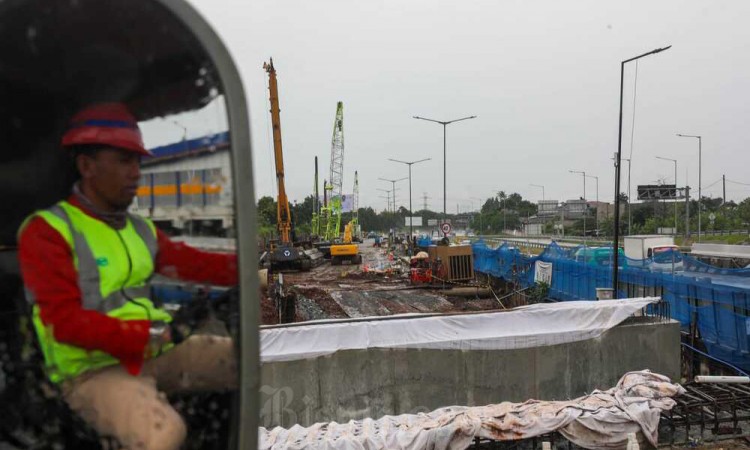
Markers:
point(267, 211)
point(743, 210)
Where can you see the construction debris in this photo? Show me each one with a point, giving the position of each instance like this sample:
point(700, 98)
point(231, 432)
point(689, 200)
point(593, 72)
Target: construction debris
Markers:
point(600, 420)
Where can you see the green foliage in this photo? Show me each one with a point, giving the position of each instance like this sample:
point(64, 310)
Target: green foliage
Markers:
point(538, 292)
point(503, 212)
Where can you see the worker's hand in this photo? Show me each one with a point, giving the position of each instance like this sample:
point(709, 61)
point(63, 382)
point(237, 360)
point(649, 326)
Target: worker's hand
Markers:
point(160, 334)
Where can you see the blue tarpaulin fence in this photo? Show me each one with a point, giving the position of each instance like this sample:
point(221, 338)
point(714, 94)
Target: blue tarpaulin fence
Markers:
point(716, 300)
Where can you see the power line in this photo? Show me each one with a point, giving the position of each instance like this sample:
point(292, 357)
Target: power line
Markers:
point(737, 182)
point(706, 187)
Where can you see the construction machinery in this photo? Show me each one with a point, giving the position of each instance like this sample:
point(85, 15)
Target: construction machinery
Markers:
point(336, 198)
point(356, 228)
point(315, 221)
point(282, 254)
point(330, 213)
point(346, 250)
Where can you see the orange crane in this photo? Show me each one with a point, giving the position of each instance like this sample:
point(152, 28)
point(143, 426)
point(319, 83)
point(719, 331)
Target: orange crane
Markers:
point(283, 254)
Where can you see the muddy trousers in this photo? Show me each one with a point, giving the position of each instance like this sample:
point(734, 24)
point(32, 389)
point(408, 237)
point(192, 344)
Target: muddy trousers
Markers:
point(134, 409)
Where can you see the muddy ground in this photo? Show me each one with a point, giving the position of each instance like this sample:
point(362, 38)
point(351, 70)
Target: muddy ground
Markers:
point(378, 287)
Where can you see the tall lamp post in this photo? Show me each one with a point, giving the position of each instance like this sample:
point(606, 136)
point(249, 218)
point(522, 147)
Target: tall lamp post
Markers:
point(585, 203)
point(480, 200)
point(387, 197)
point(630, 200)
point(700, 141)
point(411, 225)
point(675, 189)
point(393, 185)
point(618, 163)
point(444, 124)
point(539, 186)
point(597, 199)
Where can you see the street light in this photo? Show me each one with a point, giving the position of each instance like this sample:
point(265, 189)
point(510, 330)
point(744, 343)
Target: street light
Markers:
point(675, 189)
point(585, 203)
point(618, 163)
point(388, 198)
point(597, 200)
point(411, 225)
point(700, 141)
point(539, 186)
point(444, 124)
point(393, 184)
point(630, 200)
point(480, 200)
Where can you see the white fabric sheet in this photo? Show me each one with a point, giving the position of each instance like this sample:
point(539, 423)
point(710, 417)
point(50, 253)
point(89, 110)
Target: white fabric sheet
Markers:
point(528, 326)
point(601, 420)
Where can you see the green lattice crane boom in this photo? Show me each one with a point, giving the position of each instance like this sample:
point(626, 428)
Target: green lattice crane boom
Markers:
point(333, 226)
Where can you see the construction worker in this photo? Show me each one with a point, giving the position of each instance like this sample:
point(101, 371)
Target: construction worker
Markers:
point(86, 264)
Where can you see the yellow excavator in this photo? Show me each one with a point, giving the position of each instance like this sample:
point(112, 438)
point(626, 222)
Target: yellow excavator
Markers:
point(346, 249)
point(282, 254)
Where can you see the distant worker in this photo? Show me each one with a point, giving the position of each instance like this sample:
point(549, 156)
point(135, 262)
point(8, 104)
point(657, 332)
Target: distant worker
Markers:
point(86, 265)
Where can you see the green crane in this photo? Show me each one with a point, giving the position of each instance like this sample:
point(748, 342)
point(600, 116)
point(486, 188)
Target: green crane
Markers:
point(336, 199)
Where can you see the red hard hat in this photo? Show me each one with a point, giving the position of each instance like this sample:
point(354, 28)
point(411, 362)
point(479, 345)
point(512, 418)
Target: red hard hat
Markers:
point(108, 124)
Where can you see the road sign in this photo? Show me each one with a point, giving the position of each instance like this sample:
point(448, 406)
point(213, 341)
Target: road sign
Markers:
point(432, 222)
point(445, 228)
point(712, 217)
point(657, 192)
point(416, 221)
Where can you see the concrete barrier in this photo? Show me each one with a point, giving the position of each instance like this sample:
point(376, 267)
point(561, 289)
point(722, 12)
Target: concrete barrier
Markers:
point(356, 384)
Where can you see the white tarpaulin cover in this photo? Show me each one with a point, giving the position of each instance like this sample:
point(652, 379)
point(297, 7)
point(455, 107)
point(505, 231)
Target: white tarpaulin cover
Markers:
point(600, 420)
point(528, 326)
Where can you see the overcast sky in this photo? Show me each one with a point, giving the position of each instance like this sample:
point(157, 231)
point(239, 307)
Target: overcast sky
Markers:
point(542, 77)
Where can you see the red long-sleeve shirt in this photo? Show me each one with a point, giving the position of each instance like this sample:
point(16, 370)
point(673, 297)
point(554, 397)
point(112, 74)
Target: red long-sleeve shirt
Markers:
point(49, 273)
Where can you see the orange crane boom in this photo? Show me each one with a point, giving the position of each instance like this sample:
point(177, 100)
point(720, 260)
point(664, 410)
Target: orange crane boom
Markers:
point(283, 214)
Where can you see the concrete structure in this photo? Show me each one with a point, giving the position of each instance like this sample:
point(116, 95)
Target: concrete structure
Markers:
point(548, 208)
point(356, 384)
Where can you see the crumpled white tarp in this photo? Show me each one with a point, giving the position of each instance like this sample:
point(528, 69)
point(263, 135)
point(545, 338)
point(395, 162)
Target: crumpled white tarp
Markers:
point(528, 326)
point(600, 420)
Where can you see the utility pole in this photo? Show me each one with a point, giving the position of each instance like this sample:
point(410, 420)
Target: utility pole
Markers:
point(618, 163)
point(597, 200)
point(445, 170)
point(630, 200)
point(411, 215)
point(700, 192)
point(393, 184)
point(424, 199)
point(388, 196)
point(687, 212)
point(585, 203)
point(724, 189)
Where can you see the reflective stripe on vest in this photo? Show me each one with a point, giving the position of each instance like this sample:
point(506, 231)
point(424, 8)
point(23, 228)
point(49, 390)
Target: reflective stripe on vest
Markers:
point(88, 271)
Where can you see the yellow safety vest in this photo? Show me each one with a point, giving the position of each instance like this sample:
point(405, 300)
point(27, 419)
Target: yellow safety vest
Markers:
point(114, 268)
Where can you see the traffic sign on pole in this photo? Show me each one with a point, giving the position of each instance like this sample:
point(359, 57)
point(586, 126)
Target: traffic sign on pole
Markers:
point(445, 228)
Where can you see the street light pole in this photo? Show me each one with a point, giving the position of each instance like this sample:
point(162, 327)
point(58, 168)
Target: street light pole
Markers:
point(393, 185)
point(388, 198)
point(585, 203)
point(700, 197)
point(411, 224)
point(444, 124)
point(630, 200)
point(539, 186)
point(597, 200)
point(675, 189)
point(481, 203)
point(618, 163)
